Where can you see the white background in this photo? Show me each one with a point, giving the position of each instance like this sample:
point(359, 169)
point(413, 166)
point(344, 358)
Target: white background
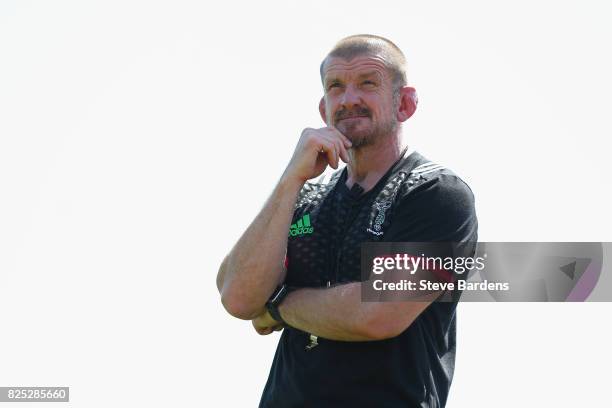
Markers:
point(139, 138)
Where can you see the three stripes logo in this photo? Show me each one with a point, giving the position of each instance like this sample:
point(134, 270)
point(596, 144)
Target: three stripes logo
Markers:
point(426, 168)
point(301, 227)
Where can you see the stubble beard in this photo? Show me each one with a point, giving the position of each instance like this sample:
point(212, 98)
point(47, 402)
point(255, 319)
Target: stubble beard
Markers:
point(368, 137)
point(376, 134)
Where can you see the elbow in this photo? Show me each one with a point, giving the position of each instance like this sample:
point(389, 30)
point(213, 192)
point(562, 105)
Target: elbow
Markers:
point(221, 274)
point(238, 299)
point(234, 303)
point(238, 307)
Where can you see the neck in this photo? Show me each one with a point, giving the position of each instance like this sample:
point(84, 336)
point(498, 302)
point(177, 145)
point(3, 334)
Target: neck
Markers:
point(369, 163)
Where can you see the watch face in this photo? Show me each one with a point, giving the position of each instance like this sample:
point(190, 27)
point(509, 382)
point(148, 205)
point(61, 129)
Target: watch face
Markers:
point(278, 295)
point(275, 300)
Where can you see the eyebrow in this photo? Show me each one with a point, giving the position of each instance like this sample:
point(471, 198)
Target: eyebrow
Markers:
point(368, 74)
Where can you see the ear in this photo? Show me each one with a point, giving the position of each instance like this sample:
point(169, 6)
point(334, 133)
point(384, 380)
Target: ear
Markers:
point(322, 109)
point(407, 103)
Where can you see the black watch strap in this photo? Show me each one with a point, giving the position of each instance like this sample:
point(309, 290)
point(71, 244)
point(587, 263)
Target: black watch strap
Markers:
point(275, 300)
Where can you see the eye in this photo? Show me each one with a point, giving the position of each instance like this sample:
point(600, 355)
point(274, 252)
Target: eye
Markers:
point(333, 85)
point(368, 82)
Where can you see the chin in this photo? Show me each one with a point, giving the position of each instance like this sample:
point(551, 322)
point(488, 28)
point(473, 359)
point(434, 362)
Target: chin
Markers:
point(357, 132)
point(359, 139)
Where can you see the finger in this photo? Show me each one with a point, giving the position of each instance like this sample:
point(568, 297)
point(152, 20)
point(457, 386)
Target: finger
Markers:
point(264, 331)
point(342, 151)
point(337, 143)
point(336, 157)
point(347, 143)
point(340, 148)
point(329, 149)
point(343, 143)
point(257, 326)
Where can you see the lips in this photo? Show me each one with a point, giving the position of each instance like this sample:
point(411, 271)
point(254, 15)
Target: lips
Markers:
point(353, 118)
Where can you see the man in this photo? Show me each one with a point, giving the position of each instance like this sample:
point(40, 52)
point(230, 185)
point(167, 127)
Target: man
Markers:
point(299, 260)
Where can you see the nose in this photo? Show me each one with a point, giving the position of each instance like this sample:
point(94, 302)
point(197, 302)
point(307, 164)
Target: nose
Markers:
point(350, 97)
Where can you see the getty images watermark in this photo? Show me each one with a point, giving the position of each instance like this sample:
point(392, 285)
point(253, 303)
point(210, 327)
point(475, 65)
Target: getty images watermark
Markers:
point(486, 271)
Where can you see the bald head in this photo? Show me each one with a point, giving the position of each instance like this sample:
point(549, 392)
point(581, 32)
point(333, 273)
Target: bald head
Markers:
point(372, 45)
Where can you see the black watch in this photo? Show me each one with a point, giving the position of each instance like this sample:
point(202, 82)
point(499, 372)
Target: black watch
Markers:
point(275, 300)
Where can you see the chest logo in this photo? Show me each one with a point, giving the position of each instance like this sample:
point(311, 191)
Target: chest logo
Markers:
point(301, 227)
point(376, 227)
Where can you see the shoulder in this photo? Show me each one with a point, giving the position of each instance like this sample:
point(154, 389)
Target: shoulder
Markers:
point(426, 180)
point(434, 203)
point(441, 190)
point(314, 191)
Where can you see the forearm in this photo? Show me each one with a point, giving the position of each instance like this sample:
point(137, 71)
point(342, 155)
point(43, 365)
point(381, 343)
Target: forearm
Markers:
point(254, 267)
point(337, 313)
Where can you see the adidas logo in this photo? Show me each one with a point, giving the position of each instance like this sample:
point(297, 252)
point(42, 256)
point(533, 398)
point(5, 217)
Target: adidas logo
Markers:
point(301, 227)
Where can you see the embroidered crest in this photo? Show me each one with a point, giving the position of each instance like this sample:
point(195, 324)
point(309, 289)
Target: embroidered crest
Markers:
point(382, 207)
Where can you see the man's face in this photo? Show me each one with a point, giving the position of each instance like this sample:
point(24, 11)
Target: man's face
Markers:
point(359, 98)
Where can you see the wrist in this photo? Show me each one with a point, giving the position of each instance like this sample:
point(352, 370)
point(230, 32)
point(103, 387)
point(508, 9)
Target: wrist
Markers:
point(283, 311)
point(273, 304)
point(291, 181)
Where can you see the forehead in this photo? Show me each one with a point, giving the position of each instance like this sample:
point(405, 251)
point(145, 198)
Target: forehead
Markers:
point(337, 67)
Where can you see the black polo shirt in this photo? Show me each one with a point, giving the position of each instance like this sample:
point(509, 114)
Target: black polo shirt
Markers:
point(416, 200)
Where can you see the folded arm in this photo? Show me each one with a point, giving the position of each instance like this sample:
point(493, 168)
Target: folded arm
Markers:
point(442, 211)
point(338, 313)
point(254, 267)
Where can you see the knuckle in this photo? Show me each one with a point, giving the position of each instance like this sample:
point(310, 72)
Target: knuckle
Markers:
point(311, 140)
point(307, 133)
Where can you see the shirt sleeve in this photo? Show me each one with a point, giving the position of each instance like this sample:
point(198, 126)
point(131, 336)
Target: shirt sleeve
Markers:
point(439, 210)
